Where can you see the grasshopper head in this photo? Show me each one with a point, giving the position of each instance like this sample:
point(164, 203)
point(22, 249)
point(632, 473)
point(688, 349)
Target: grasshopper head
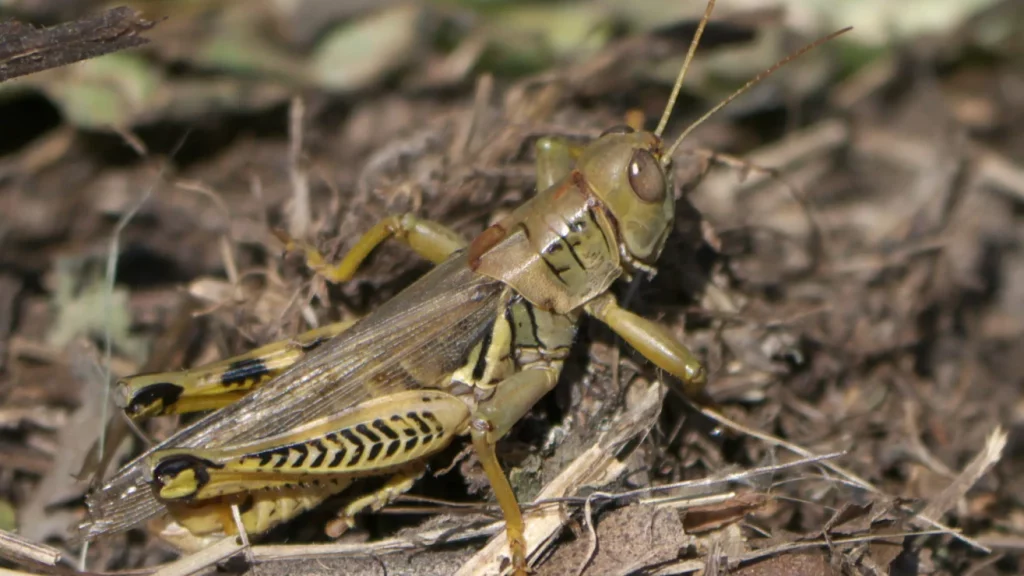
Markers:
point(631, 172)
point(626, 171)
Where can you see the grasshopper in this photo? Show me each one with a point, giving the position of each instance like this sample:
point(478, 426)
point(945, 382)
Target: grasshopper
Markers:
point(466, 350)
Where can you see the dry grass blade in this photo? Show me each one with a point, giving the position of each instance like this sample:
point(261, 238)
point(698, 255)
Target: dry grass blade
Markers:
point(598, 462)
point(202, 560)
point(691, 566)
point(990, 454)
point(17, 549)
point(284, 552)
point(794, 448)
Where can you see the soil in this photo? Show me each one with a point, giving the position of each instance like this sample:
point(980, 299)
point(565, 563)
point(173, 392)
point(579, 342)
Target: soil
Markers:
point(847, 261)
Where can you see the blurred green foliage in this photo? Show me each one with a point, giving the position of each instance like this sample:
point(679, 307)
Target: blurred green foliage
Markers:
point(233, 55)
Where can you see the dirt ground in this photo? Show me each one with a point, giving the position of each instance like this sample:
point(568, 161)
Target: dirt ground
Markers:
point(847, 261)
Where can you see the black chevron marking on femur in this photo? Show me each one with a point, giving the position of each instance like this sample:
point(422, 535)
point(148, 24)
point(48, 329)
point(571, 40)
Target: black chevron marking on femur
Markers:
point(321, 453)
point(267, 456)
point(357, 446)
point(374, 452)
point(424, 428)
point(365, 431)
point(338, 457)
point(302, 451)
point(385, 429)
point(438, 427)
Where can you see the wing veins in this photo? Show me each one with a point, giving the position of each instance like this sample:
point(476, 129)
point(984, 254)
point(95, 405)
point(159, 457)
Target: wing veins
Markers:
point(441, 314)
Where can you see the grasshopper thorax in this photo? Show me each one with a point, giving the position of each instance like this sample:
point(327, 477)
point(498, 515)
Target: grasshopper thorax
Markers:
point(625, 170)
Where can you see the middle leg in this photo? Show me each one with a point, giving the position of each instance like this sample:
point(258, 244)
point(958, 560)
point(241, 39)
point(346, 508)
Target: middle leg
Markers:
point(512, 399)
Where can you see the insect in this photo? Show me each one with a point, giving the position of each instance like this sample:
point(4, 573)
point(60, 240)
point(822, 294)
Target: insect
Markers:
point(467, 350)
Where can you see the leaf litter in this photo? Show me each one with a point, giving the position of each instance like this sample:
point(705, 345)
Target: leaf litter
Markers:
point(863, 324)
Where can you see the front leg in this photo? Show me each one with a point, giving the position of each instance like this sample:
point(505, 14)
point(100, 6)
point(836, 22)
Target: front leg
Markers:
point(653, 341)
point(512, 399)
point(555, 159)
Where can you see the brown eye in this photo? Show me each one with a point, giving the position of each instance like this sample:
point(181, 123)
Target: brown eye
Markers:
point(620, 129)
point(646, 177)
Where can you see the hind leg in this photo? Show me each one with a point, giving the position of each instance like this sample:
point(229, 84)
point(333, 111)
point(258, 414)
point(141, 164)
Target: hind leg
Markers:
point(397, 485)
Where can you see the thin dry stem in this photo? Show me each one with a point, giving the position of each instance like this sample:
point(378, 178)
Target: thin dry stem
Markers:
point(203, 559)
point(301, 212)
point(17, 549)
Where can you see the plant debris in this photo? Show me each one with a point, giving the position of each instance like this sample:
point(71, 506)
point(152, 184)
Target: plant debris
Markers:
point(850, 268)
point(25, 50)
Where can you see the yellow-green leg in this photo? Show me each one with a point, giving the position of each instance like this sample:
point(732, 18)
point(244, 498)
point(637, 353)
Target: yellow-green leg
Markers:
point(260, 510)
point(395, 486)
point(653, 341)
point(429, 239)
point(273, 507)
point(373, 438)
point(512, 399)
point(216, 385)
point(555, 159)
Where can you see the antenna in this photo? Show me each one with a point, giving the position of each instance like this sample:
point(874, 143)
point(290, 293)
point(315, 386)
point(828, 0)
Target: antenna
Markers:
point(682, 71)
point(745, 87)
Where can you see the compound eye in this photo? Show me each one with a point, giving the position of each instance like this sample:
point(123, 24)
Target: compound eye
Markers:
point(620, 129)
point(646, 177)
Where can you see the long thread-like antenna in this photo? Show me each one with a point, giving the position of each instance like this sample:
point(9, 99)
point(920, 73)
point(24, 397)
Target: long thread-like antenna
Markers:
point(745, 87)
point(682, 71)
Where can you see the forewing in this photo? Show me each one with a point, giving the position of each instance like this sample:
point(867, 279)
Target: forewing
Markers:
point(414, 337)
